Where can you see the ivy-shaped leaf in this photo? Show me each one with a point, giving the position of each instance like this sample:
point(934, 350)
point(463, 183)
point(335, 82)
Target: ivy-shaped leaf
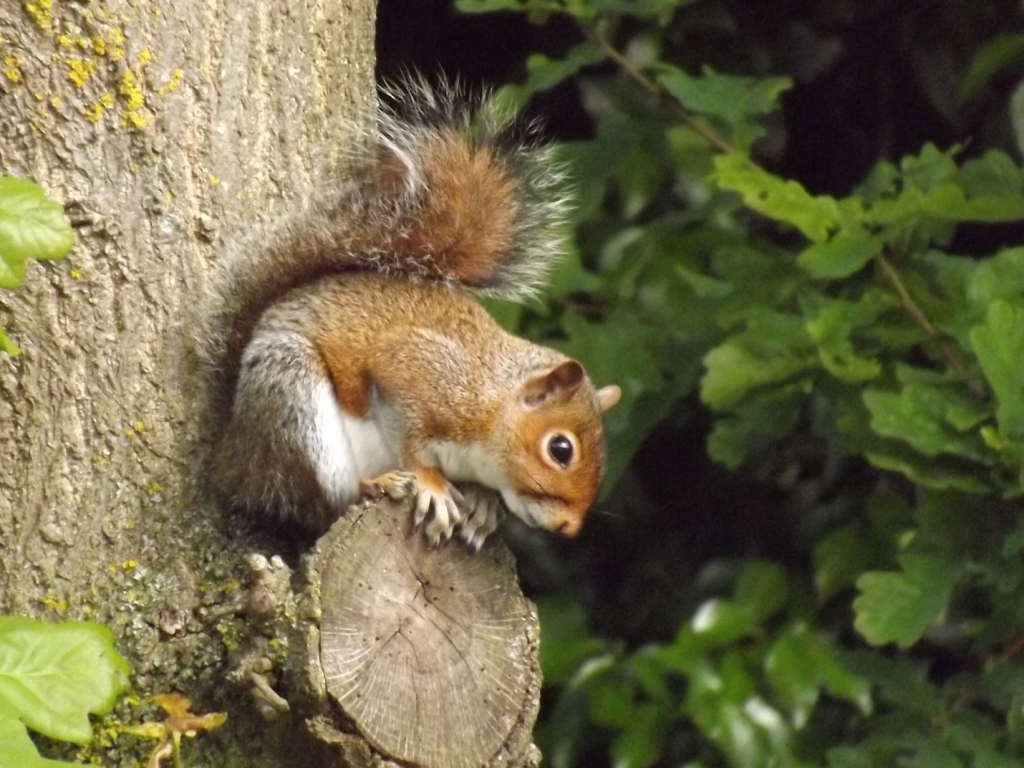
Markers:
point(17, 749)
point(897, 607)
point(31, 227)
point(53, 675)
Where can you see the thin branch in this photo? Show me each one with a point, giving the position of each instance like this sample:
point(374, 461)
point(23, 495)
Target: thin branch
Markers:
point(914, 310)
point(694, 122)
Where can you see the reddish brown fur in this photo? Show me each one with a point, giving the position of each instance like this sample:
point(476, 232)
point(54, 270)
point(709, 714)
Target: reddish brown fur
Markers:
point(471, 211)
point(432, 479)
point(467, 222)
point(433, 351)
point(372, 328)
point(577, 486)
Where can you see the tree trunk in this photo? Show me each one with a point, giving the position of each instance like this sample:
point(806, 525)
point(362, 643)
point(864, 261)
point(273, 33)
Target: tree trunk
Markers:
point(163, 130)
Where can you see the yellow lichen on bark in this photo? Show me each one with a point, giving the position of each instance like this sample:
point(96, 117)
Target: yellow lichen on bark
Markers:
point(89, 46)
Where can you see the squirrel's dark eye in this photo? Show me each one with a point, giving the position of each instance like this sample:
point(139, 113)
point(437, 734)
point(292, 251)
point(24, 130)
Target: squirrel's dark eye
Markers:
point(560, 449)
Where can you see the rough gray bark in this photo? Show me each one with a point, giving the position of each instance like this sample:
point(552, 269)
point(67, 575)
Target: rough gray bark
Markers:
point(163, 130)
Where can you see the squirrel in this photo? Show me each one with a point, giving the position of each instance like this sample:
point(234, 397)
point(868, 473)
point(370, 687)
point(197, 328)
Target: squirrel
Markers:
point(353, 359)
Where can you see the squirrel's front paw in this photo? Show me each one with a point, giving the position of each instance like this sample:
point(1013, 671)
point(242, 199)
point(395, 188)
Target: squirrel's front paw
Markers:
point(397, 484)
point(435, 498)
point(482, 512)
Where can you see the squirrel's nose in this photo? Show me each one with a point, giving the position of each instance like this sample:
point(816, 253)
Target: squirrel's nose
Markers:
point(569, 526)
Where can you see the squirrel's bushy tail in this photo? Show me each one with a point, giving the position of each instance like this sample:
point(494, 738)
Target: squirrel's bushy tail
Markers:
point(467, 194)
point(439, 187)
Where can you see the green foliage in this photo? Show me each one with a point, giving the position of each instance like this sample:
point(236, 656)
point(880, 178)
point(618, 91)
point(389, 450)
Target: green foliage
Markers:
point(52, 676)
point(31, 227)
point(860, 354)
point(898, 607)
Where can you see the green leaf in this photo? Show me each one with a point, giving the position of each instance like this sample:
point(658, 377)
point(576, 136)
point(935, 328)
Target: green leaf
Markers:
point(721, 622)
point(917, 416)
point(899, 606)
point(994, 173)
point(947, 202)
point(898, 680)
point(754, 424)
point(759, 280)
point(8, 346)
point(53, 675)
point(800, 663)
point(648, 666)
point(724, 704)
point(999, 344)
point(785, 201)
point(630, 155)
point(762, 588)
point(982, 739)
point(570, 276)
point(929, 169)
point(950, 400)
point(488, 6)
point(772, 349)
point(610, 697)
point(989, 60)
point(735, 100)
point(986, 189)
point(17, 749)
point(791, 670)
point(936, 472)
point(850, 757)
point(641, 743)
point(544, 73)
point(658, 8)
point(839, 558)
point(841, 255)
point(932, 754)
point(733, 370)
point(1017, 114)
point(567, 642)
point(1000, 276)
point(31, 227)
point(830, 327)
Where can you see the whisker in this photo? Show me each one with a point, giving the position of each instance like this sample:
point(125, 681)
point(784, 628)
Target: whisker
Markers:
point(537, 483)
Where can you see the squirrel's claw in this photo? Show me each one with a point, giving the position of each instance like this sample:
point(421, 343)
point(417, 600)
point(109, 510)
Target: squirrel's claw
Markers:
point(446, 515)
point(437, 501)
point(482, 512)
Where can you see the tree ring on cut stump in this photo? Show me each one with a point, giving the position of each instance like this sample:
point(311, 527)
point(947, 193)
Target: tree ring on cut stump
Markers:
point(432, 653)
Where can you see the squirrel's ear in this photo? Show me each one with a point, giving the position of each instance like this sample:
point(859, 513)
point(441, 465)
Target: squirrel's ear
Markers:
point(557, 384)
point(608, 396)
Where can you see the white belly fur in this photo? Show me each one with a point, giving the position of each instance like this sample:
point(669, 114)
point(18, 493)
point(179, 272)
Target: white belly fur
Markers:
point(346, 449)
